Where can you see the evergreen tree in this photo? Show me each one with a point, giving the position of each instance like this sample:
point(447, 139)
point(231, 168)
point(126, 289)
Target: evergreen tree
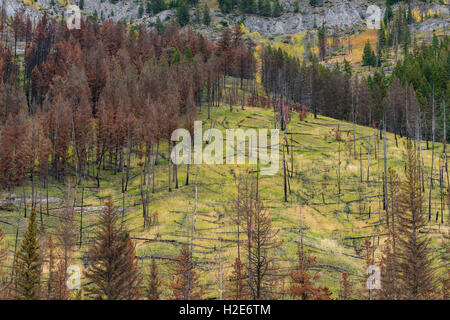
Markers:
point(226, 6)
point(388, 13)
point(262, 241)
point(237, 288)
point(188, 56)
point(266, 9)
point(346, 287)
point(176, 58)
point(159, 26)
point(182, 14)
point(206, 16)
point(277, 9)
point(414, 260)
point(260, 6)
point(382, 35)
point(303, 283)
point(410, 18)
point(140, 10)
point(248, 6)
point(197, 15)
point(156, 6)
point(154, 282)
point(27, 269)
point(296, 7)
point(369, 58)
point(348, 68)
point(184, 283)
point(113, 269)
point(388, 263)
point(81, 4)
point(322, 36)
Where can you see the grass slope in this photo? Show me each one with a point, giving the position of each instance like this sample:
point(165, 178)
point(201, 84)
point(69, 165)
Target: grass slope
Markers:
point(332, 222)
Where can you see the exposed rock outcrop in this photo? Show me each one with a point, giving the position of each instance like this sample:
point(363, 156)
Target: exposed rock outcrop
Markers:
point(335, 13)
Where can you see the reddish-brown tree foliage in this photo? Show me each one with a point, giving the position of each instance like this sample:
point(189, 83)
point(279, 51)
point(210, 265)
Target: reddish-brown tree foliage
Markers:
point(185, 283)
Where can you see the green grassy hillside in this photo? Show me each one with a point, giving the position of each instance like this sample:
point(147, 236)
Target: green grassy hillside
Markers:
point(335, 224)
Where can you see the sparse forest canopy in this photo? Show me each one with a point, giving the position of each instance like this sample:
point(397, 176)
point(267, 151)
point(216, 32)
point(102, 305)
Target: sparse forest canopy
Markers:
point(417, 89)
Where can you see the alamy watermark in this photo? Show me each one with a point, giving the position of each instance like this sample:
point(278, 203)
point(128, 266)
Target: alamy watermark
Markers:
point(374, 17)
point(236, 147)
point(73, 18)
point(374, 278)
point(74, 277)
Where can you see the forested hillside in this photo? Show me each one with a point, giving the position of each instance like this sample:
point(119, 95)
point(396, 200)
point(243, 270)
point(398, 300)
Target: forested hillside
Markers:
point(88, 183)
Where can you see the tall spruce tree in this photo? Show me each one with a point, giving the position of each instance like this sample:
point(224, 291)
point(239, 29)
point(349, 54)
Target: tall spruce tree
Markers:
point(154, 282)
point(206, 18)
point(388, 263)
point(28, 263)
point(184, 283)
point(266, 8)
point(369, 58)
point(303, 282)
point(277, 9)
point(113, 268)
point(346, 288)
point(182, 14)
point(237, 288)
point(414, 260)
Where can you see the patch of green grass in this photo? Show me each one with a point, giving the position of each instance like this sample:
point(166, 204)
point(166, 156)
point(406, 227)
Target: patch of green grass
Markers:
point(329, 219)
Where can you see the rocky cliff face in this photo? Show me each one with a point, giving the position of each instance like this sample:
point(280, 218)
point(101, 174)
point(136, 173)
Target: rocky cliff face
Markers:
point(105, 9)
point(341, 14)
point(344, 14)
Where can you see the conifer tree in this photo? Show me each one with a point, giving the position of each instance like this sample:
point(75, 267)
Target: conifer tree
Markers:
point(156, 6)
point(141, 10)
point(346, 287)
point(27, 269)
point(184, 283)
point(266, 8)
point(277, 9)
point(322, 37)
point(388, 263)
point(182, 14)
point(369, 58)
point(113, 268)
point(206, 16)
point(60, 291)
point(263, 240)
point(154, 282)
point(414, 260)
point(303, 283)
point(248, 6)
point(388, 14)
point(237, 282)
point(159, 26)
